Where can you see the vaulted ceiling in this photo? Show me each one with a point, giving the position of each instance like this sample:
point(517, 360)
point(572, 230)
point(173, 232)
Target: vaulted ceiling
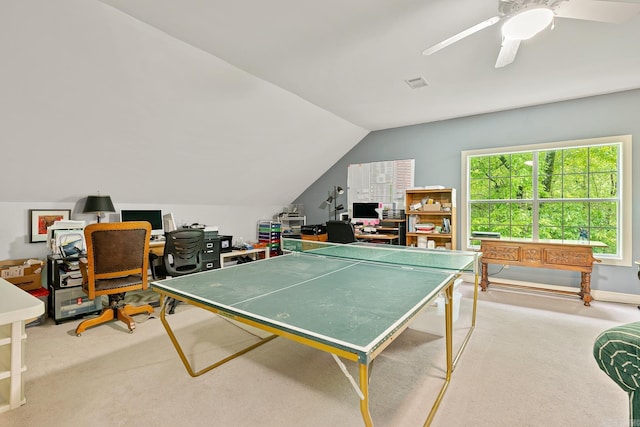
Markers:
point(248, 102)
point(352, 57)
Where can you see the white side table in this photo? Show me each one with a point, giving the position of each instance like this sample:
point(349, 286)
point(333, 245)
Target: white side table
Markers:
point(16, 307)
point(254, 253)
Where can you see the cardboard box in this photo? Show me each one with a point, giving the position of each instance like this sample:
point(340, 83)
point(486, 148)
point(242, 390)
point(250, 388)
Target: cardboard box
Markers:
point(24, 273)
point(431, 207)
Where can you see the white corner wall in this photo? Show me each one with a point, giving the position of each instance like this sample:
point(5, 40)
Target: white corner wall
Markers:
point(93, 99)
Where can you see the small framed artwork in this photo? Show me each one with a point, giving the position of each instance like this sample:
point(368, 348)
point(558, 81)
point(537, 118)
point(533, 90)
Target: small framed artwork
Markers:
point(41, 219)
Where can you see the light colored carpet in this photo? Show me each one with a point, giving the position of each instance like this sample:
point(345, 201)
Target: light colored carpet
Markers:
point(529, 363)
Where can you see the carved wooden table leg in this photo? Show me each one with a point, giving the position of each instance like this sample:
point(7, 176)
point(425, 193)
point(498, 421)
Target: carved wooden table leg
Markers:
point(484, 281)
point(585, 289)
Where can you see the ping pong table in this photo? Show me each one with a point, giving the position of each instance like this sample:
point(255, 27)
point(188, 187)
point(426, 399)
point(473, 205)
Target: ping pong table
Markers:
point(350, 300)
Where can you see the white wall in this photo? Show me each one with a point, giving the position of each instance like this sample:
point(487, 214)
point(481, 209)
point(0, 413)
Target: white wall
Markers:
point(237, 221)
point(93, 99)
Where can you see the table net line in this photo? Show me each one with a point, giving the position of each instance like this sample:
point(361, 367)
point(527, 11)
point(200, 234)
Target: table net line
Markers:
point(392, 264)
point(381, 253)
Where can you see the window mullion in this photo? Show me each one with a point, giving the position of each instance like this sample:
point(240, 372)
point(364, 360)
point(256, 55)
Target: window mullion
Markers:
point(535, 204)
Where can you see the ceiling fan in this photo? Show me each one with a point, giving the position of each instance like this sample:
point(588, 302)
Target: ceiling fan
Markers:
point(524, 19)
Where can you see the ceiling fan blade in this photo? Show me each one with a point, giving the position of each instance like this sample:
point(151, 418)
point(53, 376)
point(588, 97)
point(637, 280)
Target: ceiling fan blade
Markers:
point(481, 26)
point(507, 52)
point(594, 10)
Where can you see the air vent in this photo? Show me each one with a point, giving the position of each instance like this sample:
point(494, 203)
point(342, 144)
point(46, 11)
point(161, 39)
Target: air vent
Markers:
point(416, 83)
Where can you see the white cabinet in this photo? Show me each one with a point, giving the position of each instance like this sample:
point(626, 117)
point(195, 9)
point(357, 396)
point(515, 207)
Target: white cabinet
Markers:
point(292, 225)
point(16, 307)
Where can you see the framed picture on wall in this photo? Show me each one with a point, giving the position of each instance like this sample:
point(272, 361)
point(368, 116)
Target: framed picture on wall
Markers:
point(41, 219)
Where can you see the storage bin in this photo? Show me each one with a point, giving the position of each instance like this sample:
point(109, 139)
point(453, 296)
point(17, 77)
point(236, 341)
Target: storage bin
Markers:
point(73, 302)
point(43, 295)
point(431, 320)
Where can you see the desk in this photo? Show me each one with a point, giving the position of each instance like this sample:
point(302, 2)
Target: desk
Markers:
point(315, 237)
point(253, 253)
point(571, 255)
point(369, 237)
point(389, 230)
point(16, 307)
point(156, 247)
point(329, 299)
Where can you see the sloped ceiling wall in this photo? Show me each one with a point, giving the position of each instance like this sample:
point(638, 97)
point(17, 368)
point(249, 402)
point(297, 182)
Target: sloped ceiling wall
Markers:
point(352, 57)
point(93, 99)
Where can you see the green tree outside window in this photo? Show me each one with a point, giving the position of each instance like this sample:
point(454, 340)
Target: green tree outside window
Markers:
point(548, 194)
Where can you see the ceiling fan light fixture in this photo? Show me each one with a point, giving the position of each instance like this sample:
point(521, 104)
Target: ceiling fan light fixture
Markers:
point(528, 23)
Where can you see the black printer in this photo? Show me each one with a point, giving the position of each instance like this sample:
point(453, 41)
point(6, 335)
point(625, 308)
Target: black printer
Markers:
point(313, 230)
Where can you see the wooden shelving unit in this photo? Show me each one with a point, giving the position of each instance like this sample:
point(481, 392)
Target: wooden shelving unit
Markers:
point(443, 207)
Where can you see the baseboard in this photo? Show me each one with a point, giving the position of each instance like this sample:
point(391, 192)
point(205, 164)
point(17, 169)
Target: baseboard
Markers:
point(597, 295)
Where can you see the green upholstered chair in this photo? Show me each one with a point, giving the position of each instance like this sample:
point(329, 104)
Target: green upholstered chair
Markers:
point(617, 351)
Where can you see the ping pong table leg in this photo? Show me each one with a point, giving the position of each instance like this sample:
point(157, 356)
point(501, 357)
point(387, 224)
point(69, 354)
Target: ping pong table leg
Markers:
point(475, 299)
point(184, 359)
point(473, 323)
point(448, 314)
point(364, 401)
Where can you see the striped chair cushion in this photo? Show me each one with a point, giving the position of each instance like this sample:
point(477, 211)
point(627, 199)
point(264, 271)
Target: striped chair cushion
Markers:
point(617, 351)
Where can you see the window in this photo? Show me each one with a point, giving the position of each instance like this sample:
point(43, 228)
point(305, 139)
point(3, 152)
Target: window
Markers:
point(568, 190)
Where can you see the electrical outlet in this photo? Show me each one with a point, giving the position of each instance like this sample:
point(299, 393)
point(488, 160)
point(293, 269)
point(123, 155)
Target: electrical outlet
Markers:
point(505, 265)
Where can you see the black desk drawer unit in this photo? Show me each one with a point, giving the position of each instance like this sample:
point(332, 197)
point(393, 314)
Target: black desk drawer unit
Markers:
point(66, 301)
point(214, 244)
point(210, 260)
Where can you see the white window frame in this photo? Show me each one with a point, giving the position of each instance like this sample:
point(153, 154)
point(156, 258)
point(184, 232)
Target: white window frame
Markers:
point(624, 221)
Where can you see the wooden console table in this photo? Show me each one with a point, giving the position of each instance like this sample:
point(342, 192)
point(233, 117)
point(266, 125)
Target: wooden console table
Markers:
point(571, 255)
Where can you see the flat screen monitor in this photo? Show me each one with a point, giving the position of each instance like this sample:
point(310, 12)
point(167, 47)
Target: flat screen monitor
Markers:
point(169, 222)
point(154, 217)
point(366, 210)
point(366, 213)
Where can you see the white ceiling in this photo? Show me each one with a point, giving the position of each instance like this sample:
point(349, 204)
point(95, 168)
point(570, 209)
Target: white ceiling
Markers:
point(351, 57)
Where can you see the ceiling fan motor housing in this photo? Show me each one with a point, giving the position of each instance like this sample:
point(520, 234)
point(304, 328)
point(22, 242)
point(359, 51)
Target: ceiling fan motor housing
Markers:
point(510, 7)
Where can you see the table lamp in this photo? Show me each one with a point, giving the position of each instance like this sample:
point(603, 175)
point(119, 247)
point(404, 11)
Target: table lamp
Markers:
point(98, 204)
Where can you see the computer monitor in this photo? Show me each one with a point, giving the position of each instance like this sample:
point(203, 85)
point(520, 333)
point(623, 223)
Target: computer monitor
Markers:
point(154, 217)
point(168, 222)
point(366, 212)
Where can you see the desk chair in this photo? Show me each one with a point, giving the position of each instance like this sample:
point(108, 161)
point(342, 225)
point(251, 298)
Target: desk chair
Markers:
point(340, 232)
point(116, 263)
point(182, 255)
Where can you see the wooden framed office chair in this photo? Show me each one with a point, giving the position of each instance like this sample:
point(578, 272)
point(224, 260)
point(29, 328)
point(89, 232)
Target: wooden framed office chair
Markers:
point(340, 232)
point(117, 262)
point(182, 255)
